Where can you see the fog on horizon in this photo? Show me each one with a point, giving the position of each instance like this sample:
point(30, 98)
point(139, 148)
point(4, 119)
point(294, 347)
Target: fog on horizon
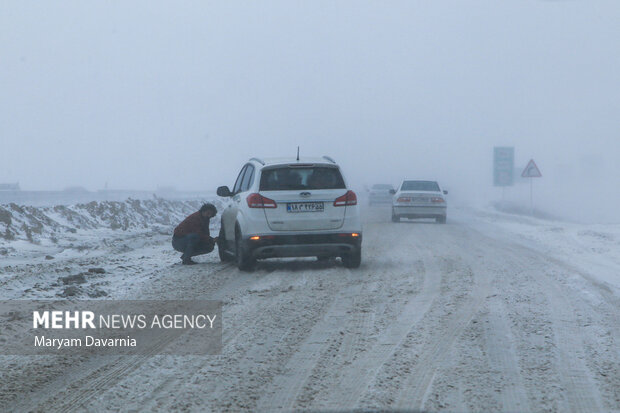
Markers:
point(146, 94)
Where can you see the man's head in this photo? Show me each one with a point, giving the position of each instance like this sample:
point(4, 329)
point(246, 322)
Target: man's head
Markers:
point(208, 210)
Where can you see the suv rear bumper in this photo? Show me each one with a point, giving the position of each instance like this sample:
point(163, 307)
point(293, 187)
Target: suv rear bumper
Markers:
point(304, 245)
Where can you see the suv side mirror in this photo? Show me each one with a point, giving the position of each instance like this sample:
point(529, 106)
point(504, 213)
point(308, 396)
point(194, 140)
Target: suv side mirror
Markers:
point(392, 191)
point(445, 192)
point(223, 191)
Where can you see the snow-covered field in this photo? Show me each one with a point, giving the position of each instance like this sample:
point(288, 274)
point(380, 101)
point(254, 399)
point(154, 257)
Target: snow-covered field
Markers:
point(490, 312)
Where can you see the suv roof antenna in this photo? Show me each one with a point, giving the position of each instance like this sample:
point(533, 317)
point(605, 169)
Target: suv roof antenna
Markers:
point(298, 153)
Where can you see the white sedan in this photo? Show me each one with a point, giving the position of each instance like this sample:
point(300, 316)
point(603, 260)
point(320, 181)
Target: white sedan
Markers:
point(419, 199)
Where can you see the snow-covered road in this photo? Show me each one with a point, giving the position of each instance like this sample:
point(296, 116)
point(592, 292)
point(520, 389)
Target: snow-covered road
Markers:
point(486, 313)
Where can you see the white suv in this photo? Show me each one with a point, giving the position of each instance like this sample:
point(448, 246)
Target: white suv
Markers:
point(290, 208)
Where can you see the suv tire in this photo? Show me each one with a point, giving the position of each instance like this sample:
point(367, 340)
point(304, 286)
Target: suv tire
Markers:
point(352, 260)
point(221, 246)
point(245, 261)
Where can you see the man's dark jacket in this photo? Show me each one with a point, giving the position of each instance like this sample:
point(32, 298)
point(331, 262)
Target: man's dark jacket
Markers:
point(194, 224)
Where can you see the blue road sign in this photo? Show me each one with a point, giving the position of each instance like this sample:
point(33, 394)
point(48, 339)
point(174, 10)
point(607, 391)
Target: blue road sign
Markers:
point(503, 165)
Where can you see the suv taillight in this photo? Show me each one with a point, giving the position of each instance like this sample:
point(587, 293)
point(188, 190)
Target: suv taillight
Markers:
point(258, 201)
point(347, 199)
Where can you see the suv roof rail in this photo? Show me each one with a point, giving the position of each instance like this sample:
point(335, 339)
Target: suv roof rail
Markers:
point(260, 161)
point(328, 158)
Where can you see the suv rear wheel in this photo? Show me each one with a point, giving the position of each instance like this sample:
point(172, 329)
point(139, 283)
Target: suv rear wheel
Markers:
point(352, 260)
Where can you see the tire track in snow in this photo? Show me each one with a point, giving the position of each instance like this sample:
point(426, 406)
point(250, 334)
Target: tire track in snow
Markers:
point(341, 346)
point(411, 394)
point(553, 328)
point(578, 392)
point(286, 387)
point(498, 343)
point(581, 394)
point(231, 333)
point(466, 283)
point(283, 326)
point(357, 376)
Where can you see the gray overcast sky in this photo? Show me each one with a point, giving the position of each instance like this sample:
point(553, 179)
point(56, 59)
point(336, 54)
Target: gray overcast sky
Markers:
point(147, 93)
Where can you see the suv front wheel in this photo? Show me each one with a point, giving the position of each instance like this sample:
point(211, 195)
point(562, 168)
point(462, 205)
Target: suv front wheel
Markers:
point(245, 261)
point(222, 245)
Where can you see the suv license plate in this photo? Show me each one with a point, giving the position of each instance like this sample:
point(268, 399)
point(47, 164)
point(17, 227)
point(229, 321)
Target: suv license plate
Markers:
point(305, 207)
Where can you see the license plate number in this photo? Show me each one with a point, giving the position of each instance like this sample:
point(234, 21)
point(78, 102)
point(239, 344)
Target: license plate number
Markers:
point(305, 207)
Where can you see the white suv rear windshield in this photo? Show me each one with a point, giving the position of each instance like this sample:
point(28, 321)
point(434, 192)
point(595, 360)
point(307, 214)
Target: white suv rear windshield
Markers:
point(300, 178)
point(420, 186)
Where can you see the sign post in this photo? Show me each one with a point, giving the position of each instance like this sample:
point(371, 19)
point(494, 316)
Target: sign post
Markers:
point(531, 171)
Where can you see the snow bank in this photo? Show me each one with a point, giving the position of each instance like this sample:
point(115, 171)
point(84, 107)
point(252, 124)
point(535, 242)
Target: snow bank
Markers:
point(591, 250)
point(29, 223)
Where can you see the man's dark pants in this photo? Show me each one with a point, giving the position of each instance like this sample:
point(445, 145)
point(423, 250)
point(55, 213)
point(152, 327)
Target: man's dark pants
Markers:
point(191, 245)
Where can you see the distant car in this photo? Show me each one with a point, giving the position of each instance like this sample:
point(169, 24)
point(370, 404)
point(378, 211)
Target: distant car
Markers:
point(290, 208)
point(419, 199)
point(380, 194)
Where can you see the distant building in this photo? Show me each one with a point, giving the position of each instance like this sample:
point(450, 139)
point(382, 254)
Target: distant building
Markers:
point(9, 187)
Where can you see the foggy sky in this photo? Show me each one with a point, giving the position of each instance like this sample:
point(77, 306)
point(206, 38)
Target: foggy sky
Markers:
point(146, 93)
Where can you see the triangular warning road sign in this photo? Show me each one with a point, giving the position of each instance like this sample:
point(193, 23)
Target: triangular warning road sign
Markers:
point(531, 170)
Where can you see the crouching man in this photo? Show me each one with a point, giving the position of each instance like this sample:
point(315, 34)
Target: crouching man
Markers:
point(192, 237)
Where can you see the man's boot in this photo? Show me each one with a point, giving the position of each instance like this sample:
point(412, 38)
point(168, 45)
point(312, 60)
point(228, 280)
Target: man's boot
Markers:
point(185, 260)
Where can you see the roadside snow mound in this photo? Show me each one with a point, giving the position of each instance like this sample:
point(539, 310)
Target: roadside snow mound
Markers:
point(34, 223)
point(514, 208)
